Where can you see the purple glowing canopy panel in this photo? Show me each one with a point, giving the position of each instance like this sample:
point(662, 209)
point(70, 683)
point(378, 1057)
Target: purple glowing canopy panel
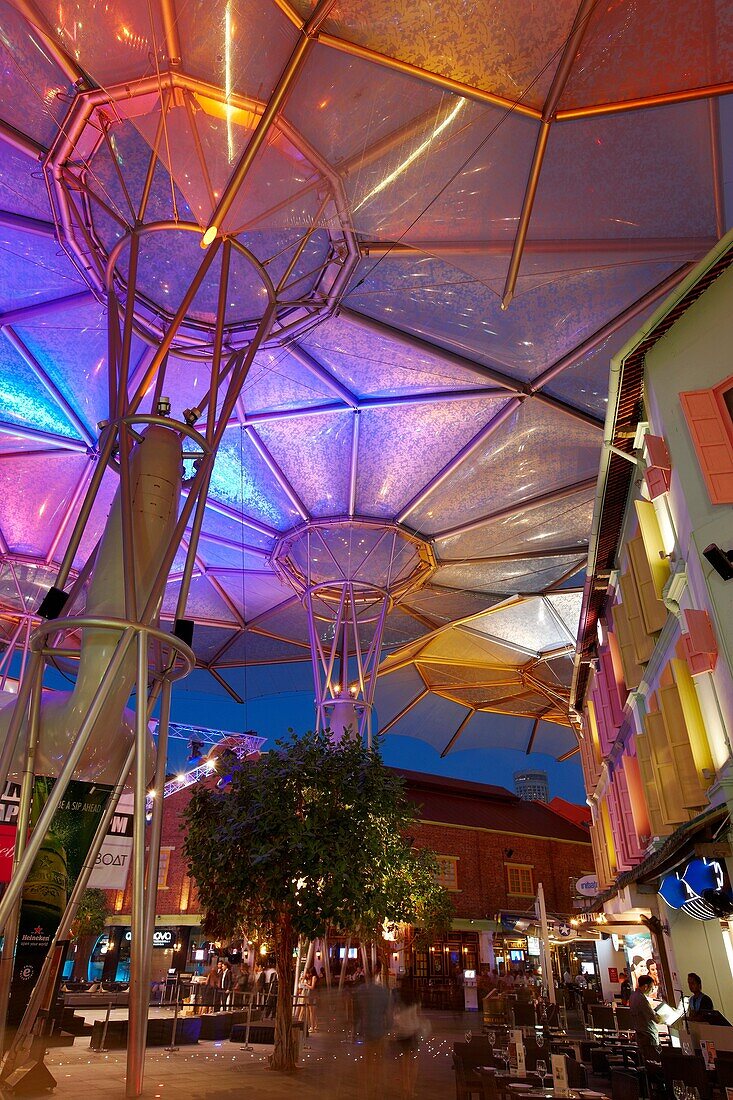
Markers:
point(465, 217)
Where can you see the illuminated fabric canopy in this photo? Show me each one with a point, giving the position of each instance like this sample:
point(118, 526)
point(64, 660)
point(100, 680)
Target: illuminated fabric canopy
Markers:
point(465, 215)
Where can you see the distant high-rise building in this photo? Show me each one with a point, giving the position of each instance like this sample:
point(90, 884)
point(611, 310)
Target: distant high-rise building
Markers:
point(532, 786)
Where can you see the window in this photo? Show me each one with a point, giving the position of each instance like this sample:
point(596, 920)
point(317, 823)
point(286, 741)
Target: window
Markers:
point(447, 875)
point(163, 868)
point(708, 415)
point(519, 880)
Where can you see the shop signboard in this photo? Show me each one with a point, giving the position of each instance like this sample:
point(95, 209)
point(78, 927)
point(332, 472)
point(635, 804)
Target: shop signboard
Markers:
point(700, 891)
point(587, 886)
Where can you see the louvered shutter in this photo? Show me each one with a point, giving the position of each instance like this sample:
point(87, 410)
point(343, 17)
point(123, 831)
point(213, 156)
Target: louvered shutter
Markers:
point(653, 611)
point(657, 822)
point(643, 642)
point(712, 442)
point(691, 792)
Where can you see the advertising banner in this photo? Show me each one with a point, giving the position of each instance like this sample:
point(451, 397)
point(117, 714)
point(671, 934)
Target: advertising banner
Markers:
point(54, 872)
point(113, 861)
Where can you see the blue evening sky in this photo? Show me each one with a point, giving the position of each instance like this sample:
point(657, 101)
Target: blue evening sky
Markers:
point(270, 716)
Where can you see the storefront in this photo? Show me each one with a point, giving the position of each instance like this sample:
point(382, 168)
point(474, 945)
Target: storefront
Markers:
point(110, 957)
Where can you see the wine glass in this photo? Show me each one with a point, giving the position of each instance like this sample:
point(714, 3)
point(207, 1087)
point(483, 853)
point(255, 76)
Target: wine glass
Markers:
point(468, 1036)
point(541, 1070)
point(491, 1039)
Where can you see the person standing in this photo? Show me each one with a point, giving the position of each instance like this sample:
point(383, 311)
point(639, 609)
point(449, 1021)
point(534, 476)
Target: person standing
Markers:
point(699, 1003)
point(372, 1020)
point(211, 990)
point(408, 1030)
point(645, 1017)
point(242, 986)
point(225, 986)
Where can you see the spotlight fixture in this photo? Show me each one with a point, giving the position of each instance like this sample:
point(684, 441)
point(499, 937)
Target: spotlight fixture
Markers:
point(53, 603)
point(183, 629)
point(721, 560)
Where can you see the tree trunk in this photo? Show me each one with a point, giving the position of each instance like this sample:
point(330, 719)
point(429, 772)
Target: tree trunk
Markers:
point(285, 1055)
point(84, 946)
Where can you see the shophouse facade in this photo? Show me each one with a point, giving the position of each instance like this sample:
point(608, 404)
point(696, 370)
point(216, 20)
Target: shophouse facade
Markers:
point(493, 850)
point(653, 686)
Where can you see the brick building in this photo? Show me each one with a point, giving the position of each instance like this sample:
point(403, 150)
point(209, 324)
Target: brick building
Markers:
point(493, 850)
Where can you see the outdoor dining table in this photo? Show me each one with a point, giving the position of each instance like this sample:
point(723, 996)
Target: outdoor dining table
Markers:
point(520, 1090)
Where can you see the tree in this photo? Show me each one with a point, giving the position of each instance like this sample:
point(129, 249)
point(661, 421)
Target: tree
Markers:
point(89, 923)
point(308, 836)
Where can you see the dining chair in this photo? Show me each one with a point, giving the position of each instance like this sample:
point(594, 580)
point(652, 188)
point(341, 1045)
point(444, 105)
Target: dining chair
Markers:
point(624, 1085)
point(468, 1083)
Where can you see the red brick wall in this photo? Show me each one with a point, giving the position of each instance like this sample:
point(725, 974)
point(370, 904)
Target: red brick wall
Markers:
point(173, 897)
point(482, 879)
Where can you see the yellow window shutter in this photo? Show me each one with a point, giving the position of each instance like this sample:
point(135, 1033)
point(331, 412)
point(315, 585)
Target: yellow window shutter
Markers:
point(653, 611)
point(600, 856)
point(632, 670)
point(658, 825)
point(691, 791)
point(609, 842)
point(693, 716)
point(653, 544)
point(643, 643)
point(671, 801)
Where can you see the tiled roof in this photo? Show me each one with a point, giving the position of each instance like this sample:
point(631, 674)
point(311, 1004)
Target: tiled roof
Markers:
point(572, 811)
point(479, 806)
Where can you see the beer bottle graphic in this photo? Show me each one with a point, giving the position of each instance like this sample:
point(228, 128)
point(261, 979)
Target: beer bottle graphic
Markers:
point(45, 890)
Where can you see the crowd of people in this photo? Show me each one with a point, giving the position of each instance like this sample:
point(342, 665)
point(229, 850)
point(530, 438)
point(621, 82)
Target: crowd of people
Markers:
point(225, 988)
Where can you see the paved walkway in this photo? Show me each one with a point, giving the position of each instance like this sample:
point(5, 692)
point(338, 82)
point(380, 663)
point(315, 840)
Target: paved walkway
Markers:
point(331, 1068)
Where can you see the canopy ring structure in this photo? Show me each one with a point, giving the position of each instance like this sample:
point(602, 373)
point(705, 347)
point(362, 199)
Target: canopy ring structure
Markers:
point(101, 203)
point(349, 573)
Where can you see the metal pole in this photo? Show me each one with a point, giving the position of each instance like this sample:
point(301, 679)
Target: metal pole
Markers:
point(26, 1024)
point(106, 443)
point(247, 1045)
point(156, 821)
point(342, 975)
point(238, 376)
point(21, 703)
point(326, 962)
point(545, 934)
point(140, 950)
point(275, 102)
point(24, 810)
point(7, 658)
point(102, 1048)
point(14, 888)
point(173, 1046)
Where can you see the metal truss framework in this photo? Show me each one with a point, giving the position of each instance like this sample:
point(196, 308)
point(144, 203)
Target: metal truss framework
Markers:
point(349, 572)
point(160, 658)
point(345, 602)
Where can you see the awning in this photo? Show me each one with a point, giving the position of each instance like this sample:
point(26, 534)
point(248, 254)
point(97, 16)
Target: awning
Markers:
point(676, 849)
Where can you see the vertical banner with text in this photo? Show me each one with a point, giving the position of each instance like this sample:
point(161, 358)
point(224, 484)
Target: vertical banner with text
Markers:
point(54, 872)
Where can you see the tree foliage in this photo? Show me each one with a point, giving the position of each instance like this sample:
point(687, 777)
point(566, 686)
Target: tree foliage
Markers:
point(309, 836)
point(91, 916)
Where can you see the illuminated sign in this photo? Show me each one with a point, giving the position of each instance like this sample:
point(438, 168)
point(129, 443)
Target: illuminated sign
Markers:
point(687, 891)
point(587, 886)
point(162, 937)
